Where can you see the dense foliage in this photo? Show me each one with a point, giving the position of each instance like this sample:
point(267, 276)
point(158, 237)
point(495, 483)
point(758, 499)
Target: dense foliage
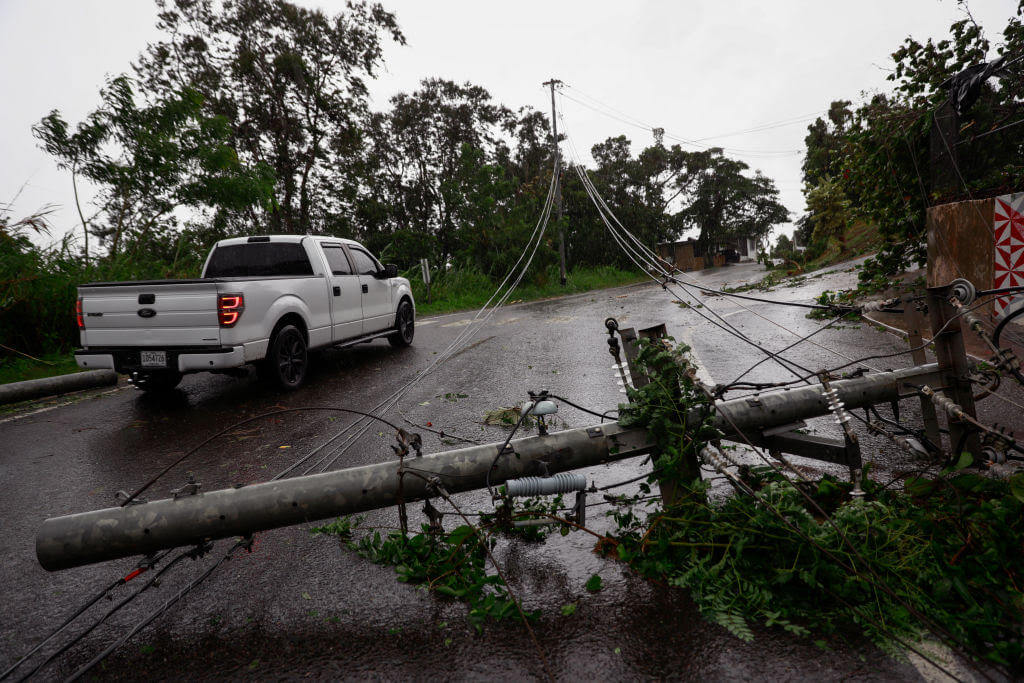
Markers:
point(950, 550)
point(37, 285)
point(148, 162)
point(886, 161)
point(941, 556)
point(291, 82)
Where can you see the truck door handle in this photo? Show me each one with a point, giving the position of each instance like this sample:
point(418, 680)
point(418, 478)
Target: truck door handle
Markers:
point(337, 290)
point(366, 289)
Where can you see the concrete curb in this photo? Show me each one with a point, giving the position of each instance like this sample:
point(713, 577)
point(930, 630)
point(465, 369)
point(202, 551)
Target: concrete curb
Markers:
point(50, 386)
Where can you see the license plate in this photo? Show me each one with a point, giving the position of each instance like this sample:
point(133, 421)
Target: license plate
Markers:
point(153, 359)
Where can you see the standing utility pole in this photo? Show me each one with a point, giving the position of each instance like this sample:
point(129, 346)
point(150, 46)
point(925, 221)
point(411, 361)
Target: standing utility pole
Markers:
point(945, 133)
point(558, 185)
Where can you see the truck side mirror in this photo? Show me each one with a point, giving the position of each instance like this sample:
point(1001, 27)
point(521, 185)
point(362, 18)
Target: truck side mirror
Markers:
point(391, 270)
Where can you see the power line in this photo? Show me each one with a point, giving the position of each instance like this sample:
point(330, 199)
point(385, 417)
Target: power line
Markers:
point(635, 121)
point(109, 613)
point(652, 263)
point(990, 132)
point(767, 126)
point(142, 567)
point(798, 341)
point(724, 325)
point(649, 128)
point(158, 612)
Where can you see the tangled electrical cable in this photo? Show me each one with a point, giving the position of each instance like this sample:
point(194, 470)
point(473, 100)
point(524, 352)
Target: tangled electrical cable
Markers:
point(939, 631)
point(84, 669)
point(144, 566)
point(637, 259)
point(877, 581)
point(837, 368)
point(194, 553)
point(648, 262)
point(997, 336)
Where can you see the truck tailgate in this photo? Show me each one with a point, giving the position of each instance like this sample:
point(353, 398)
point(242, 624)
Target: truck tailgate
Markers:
point(158, 313)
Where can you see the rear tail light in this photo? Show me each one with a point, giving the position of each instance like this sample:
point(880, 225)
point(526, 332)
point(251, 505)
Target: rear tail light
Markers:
point(78, 314)
point(229, 309)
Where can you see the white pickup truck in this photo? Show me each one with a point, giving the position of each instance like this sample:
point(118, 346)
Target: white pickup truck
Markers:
point(266, 300)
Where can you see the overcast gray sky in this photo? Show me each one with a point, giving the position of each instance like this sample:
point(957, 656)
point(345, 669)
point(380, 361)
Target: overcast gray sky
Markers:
point(700, 70)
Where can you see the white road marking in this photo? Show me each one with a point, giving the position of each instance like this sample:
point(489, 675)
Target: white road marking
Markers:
point(702, 369)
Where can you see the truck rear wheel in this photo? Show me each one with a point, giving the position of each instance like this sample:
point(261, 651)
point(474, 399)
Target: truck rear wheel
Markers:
point(405, 325)
point(156, 381)
point(287, 359)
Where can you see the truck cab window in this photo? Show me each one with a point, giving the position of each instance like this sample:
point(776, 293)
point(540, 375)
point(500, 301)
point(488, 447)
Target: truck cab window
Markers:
point(365, 264)
point(337, 260)
point(260, 259)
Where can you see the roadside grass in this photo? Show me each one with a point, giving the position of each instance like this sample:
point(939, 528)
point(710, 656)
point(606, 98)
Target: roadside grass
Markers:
point(16, 369)
point(468, 289)
point(860, 239)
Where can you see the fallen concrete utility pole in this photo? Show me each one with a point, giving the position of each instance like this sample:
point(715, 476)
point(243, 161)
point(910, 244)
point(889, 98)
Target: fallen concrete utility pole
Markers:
point(85, 538)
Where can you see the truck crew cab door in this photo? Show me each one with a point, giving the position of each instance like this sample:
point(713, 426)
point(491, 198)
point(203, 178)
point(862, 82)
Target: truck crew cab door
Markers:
point(377, 312)
point(344, 294)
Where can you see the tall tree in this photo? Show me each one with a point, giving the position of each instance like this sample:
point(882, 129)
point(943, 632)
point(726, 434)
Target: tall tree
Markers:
point(291, 82)
point(723, 203)
point(147, 161)
point(640, 192)
point(825, 143)
point(884, 168)
point(417, 152)
point(830, 213)
point(783, 247)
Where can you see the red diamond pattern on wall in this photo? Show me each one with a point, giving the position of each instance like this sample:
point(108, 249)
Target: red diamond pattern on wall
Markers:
point(1008, 222)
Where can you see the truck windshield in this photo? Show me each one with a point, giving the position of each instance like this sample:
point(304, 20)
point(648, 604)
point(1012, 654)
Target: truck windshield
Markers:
point(259, 259)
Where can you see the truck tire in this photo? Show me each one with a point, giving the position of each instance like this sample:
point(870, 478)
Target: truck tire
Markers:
point(156, 381)
point(287, 359)
point(405, 325)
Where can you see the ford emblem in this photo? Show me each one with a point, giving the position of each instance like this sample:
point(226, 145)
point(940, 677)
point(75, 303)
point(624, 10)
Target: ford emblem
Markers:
point(146, 312)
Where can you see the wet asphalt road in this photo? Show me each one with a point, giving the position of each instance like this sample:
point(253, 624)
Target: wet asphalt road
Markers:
point(301, 606)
